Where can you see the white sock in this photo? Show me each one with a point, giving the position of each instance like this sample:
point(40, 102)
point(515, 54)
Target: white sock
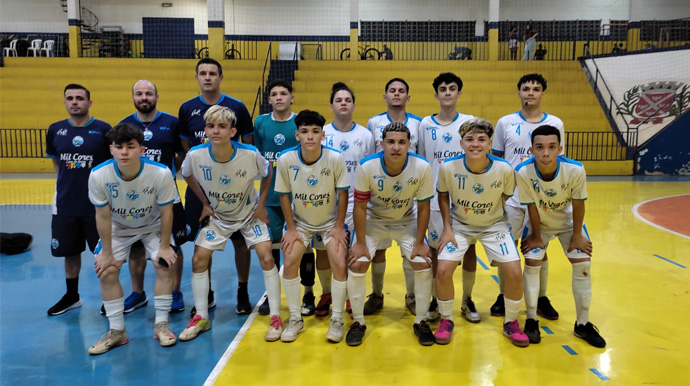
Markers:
point(467, 283)
point(377, 272)
point(512, 309)
point(582, 290)
point(530, 279)
point(501, 280)
point(543, 278)
point(162, 304)
point(272, 283)
point(409, 276)
point(339, 293)
point(325, 276)
point(445, 308)
point(200, 286)
point(356, 290)
point(422, 292)
point(114, 310)
point(292, 291)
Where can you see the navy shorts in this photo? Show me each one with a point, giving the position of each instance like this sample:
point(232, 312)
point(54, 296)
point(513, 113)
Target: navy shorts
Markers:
point(180, 228)
point(71, 234)
point(192, 211)
point(275, 216)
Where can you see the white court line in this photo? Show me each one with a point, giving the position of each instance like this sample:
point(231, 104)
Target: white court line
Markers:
point(637, 214)
point(233, 345)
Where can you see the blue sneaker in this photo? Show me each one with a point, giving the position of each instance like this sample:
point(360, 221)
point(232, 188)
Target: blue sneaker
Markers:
point(135, 300)
point(177, 303)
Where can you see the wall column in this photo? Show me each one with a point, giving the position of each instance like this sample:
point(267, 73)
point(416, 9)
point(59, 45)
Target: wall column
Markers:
point(494, 6)
point(74, 20)
point(634, 42)
point(354, 29)
point(216, 29)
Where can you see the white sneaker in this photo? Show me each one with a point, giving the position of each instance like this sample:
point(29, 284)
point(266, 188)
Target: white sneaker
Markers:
point(469, 311)
point(110, 340)
point(162, 332)
point(335, 330)
point(294, 327)
point(274, 329)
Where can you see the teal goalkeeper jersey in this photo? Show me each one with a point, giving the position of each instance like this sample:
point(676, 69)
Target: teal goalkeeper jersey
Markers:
point(272, 137)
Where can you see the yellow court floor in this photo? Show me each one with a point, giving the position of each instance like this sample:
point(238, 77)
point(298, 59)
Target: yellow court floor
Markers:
point(640, 303)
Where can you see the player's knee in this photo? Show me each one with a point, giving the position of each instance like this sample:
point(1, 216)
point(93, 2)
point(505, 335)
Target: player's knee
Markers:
point(110, 275)
point(200, 262)
point(359, 266)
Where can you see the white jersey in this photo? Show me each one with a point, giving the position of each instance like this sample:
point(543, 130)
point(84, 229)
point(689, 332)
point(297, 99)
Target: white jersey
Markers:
point(439, 142)
point(354, 145)
point(513, 138)
point(477, 199)
point(134, 204)
point(391, 198)
point(313, 187)
point(377, 123)
point(228, 186)
point(553, 199)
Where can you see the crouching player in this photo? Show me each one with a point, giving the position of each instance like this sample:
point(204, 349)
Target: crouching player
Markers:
point(133, 198)
point(386, 184)
point(316, 177)
point(472, 189)
point(554, 188)
point(221, 174)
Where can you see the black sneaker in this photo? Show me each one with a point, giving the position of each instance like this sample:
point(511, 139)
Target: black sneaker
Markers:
point(532, 331)
point(243, 304)
point(499, 307)
point(211, 303)
point(308, 306)
point(355, 335)
point(423, 332)
point(545, 310)
point(590, 333)
point(65, 304)
point(264, 308)
point(102, 309)
point(373, 304)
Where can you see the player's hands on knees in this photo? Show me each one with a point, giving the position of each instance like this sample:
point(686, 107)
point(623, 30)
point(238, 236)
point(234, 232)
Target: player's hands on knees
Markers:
point(261, 214)
point(447, 236)
point(167, 253)
point(105, 260)
point(531, 242)
point(207, 211)
point(423, 250)
point(358, 250)
point(339, 236)
point(581, 243)
point(290, 237)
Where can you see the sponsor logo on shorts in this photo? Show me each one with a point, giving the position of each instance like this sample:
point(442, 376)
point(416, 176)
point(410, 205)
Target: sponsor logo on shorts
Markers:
point(54, 243)
point(433, 235)
point(189, 230)
point(210, 235)
point(450, 248)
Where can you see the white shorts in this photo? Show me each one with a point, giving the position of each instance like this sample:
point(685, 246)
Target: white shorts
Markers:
point(499, 246)
point(381, 236)
point(215, 234)
point(317, 241)
point(517, 219)
point(435, 228)
point(123, 244)
point(564, 238)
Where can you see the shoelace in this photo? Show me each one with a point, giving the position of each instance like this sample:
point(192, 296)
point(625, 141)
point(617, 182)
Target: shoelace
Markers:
point(512, 327)
point(195, 320)
point(446, 326)
point(276, 323)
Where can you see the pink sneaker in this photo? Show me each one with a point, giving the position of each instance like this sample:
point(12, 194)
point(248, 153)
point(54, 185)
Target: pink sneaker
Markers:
point(512, 330)
point(444, 332)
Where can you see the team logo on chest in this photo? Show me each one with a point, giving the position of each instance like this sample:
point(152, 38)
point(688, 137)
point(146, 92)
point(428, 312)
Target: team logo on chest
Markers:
point(132, 195)
point(550, 192)
point(77, 141)
point(447, 137)
point(478, 188)
point(312, 180)
point(279, 139)
point(224, 179)
point(148, 134)
point(344, 145)
point(397, 186)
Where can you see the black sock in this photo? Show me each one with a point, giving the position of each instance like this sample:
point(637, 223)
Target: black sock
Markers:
point(73, 287)
point(242, 289)
point(306, 270)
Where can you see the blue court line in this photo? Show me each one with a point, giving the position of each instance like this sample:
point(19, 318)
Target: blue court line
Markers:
point(670, 261)
point(599, 374)
point(495, 278)
point(569, 350)
point(486, 268)
point(547, 330)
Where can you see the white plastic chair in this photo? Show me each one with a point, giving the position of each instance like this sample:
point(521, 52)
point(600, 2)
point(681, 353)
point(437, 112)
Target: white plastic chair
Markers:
point(47, 47)
point(35, 47)
point(11, 50)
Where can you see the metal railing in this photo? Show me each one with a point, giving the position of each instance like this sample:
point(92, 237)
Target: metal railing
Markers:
point(22, 143)
point(595, 146)
point(260, 92)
